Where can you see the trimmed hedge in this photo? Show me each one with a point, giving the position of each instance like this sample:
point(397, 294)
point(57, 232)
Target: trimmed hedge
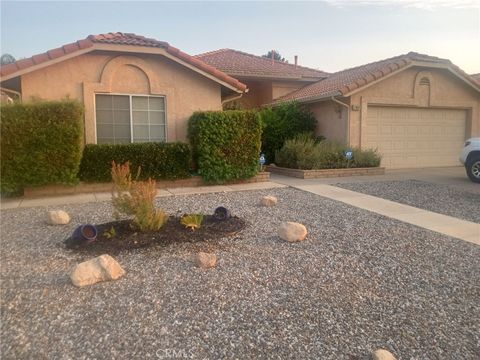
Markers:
point(284, 122)
point(225, 144)
point(158, 161)
point(41, 144)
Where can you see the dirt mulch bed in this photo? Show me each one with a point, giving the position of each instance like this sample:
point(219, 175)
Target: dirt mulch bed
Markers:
point(127, 236)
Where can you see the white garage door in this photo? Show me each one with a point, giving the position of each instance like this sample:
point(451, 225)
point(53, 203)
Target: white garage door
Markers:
point(413, 137)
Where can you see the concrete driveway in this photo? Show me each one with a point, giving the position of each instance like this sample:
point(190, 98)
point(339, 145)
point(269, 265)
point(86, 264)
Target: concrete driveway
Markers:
point(451, 176)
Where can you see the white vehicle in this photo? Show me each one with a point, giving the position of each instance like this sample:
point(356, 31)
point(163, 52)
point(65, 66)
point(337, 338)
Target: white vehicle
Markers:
point(470, 157)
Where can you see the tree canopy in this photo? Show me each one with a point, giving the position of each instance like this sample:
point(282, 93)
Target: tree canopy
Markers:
point(276, 56)
point(6, 59)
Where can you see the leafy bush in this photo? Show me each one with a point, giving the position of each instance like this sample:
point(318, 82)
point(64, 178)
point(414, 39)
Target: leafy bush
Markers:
point(157, 160)
point(225, 144)
point(41, 144)
point(304, 152)
point(137, 198)
point(284, 122)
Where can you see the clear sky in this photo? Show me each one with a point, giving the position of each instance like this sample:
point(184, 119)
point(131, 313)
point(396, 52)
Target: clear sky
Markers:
point(329, 35)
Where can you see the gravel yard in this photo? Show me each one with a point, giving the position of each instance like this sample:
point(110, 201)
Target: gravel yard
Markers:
point(438, 198)
point(358, 282)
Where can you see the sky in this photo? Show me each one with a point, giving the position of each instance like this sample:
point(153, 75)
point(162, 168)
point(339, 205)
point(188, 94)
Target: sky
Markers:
point(328, 35)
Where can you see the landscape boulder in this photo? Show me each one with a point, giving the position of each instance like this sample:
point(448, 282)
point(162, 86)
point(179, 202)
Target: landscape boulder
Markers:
point(58, 217)
point(205, 260)
point(292, 231)
point(269, 201)
point(102, 268)
point(381, 354)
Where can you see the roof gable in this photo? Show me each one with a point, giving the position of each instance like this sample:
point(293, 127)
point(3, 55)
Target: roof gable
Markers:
point(238, 63)
point(345, 82)
point(93, 42)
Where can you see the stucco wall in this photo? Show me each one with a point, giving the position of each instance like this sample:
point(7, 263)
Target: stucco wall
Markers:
point(331, 120)
point(101, 72)
point(403, 89)
point(280, 88)
point(261, 92)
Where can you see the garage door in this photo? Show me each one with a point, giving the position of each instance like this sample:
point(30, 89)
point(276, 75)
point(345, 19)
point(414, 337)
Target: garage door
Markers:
point(413, 137)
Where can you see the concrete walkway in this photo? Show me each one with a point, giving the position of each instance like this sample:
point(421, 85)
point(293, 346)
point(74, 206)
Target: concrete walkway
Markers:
point(95, 197)
point(443, 224)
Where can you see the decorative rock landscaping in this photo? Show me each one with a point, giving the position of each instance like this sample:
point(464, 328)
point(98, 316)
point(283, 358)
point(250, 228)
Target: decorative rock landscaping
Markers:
point(58, 217)
point(269, 201)
point(360, 282)
point(102, 268)
point(292, 231)
point(205, 261)
point(382, 354)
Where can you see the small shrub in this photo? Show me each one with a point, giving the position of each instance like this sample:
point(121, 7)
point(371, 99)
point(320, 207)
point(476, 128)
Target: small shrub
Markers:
point(225, 144)
point(157, 160)
point(192, 221)
point(304, 152)
point(41, 144)
point(137, 198)
point(284, 122)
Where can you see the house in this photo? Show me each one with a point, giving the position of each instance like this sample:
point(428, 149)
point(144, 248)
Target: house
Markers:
point(133, 88)
point(417, 110)
point(266, 79)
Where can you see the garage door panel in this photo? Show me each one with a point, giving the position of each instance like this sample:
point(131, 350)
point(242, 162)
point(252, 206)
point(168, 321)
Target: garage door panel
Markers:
point(408, 137)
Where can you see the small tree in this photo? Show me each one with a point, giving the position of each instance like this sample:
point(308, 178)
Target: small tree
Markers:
point(276, 56)
point(7, 59)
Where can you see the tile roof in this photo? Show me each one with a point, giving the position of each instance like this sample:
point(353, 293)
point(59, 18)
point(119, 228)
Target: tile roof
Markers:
point(119, 38)
point(238, 63)
point(346, 81)
point(476, 77)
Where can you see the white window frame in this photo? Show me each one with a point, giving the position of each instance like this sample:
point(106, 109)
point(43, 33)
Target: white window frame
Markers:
point(131, 112)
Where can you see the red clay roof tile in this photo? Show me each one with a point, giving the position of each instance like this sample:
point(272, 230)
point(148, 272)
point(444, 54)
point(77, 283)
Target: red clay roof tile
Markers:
point(25, 63)
point(345, 81)
point(238, 63)
point(8, 69)
point(119, 38)
point(40, 58)
point(69, 48)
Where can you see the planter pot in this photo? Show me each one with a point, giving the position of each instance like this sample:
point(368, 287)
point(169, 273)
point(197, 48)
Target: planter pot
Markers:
point(85, 234)
point(221, 213)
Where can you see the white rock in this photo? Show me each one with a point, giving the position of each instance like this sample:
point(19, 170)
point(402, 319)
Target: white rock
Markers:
point(102, 268)
point(292, 231)
point(58, 217)
point(205, 260)
point(269, 201)
point(381, 354)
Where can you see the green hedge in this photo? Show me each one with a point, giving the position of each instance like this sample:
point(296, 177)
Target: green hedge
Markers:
point(157, 160)
point(225, 144)
point(283, 122)
point(41, 143)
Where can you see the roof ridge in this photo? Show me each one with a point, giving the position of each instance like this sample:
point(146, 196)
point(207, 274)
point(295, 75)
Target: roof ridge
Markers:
point(263, 58)
point(119, 38)
point(345, 81)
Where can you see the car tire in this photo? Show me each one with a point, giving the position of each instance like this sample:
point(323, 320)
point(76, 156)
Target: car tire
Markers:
point(473, 168)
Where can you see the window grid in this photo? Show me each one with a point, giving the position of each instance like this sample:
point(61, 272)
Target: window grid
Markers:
point(162, 124)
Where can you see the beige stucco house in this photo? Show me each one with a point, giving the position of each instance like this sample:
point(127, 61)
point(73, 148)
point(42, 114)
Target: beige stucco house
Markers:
point(417, 110)
point(133, 88)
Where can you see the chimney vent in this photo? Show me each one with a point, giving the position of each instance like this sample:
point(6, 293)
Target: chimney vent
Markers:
point(273, 57)
point(296, 60)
